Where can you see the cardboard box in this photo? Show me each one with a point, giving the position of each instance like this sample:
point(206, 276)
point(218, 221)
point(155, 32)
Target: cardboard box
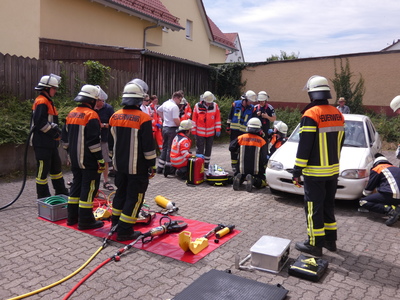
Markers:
point(270, 253)
point(53, 212)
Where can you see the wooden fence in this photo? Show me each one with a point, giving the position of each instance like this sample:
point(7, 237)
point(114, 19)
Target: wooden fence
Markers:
point(20, 75)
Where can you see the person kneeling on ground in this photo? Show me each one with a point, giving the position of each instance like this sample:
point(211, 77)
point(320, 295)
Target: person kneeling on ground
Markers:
point(180, 150)
point(251, 148)
point(278, 137)
point(385, 178)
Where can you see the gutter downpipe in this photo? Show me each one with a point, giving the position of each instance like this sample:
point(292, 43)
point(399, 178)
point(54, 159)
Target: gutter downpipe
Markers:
point(145, 34)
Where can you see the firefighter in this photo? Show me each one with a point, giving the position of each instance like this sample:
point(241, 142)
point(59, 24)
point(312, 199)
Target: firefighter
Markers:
point(81, 138)
point(180, 149)
point(241, 112)
point(253, 151)
point(265, 112)
point(134, 156)
point(317, 159)
point(278, 137)
point(46, 137)
point(385, 178)
point(207, 124)
point(395, 106)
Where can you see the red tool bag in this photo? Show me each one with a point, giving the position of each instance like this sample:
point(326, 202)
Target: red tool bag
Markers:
point(195, 170)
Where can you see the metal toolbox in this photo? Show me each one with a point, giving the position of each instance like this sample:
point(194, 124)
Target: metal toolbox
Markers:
point(270, 253)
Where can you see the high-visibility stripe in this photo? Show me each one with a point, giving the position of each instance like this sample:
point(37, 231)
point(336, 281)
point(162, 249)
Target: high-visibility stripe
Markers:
point(73, 200)
point(330, 226)
point(392, 183)
point(310, 223)
point(56, 176)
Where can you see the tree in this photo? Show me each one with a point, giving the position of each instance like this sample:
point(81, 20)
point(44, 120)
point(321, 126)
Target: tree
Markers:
point(352, 92)
point(283, 56)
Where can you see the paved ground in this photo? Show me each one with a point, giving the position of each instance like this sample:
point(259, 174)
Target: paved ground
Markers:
point(35, 253)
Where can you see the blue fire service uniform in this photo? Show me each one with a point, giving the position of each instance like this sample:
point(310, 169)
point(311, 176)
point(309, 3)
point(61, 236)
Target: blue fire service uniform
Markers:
point(317, 159)
point(238, 117)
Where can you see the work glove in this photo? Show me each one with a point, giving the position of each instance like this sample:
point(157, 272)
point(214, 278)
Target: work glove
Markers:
point(297, 171)
point(152, 172)
point(101, 166)
point(398, 152)
point(228, 130)
point(200, 156)
point(159, 126)
point(56, 131)
point(218, 133)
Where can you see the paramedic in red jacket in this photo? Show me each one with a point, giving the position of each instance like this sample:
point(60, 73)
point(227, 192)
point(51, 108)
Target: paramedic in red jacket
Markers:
point(45, 138)
point(180, 149)
point(134, 156)
point(207, 124)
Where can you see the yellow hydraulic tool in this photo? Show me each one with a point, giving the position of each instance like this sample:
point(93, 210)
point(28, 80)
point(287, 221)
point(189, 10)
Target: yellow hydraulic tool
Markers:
point(199, 244)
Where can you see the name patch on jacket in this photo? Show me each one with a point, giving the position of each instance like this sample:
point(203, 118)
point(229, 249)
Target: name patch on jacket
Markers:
point(331, 117)
point(126, 117)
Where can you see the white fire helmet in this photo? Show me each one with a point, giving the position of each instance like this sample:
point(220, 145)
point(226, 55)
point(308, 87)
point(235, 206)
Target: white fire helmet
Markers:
point(262, 96)
point(253, 125)
point(208, 97)
point(48, 81)
point(102, 94)
point(250, 95)
point(141, 83)
point(185, 125)
point(318, 88)
point(395, 103)
point(133, 94)
point(88, 93)
point(281, 127)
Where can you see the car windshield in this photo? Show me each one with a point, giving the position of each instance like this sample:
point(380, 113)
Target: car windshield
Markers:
point(354, 134)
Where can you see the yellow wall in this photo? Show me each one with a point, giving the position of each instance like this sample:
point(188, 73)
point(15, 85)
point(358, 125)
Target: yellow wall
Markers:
point(284, 81)
point(19, 27)
point(90, 22)
point(176, 44)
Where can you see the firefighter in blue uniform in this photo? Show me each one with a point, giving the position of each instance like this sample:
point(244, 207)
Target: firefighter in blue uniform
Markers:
point(81, 137)
point(317, 160)
point(241, 112)
point(45, 138)
point(385, 178)
point(134, 156)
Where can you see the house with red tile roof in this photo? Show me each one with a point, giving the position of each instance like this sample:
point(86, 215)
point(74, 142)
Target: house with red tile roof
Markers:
point(234, 56)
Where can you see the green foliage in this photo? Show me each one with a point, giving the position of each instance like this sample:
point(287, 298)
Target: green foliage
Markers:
point(352, 92)
point(283, 56)
point(98, 74)
point(388, 127)
point(228, 79)
point(15, 117)
point(291, 117)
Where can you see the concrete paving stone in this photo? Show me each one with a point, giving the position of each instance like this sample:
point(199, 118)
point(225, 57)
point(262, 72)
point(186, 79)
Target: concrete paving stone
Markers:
point(366, 265)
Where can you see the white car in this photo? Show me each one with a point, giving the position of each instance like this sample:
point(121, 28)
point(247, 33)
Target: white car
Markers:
point(361, 143)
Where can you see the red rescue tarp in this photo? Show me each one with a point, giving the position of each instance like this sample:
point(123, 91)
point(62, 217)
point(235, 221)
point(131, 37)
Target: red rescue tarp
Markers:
point(167, 244)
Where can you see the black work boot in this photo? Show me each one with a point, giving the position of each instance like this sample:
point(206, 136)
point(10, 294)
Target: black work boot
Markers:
point(249, 183)
point(307, 248)
point(42, 191)
point(237, 181)
point(73, 210)
point(394, 215)
point(125, 232)
point(59, 186)
point(330, 245)
point(87, 220)
point(159, 170)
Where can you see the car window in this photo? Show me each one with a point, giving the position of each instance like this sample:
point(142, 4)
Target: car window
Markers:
point(354, 134)
point(371, 132)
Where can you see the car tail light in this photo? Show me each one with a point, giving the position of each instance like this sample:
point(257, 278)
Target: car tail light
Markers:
point(275, 165)
point(354, 173)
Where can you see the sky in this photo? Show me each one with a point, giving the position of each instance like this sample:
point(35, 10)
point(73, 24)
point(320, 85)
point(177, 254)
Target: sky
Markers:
point(307, 28)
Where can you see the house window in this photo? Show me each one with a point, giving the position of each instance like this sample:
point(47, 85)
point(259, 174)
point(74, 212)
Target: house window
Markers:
point(189, 29)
